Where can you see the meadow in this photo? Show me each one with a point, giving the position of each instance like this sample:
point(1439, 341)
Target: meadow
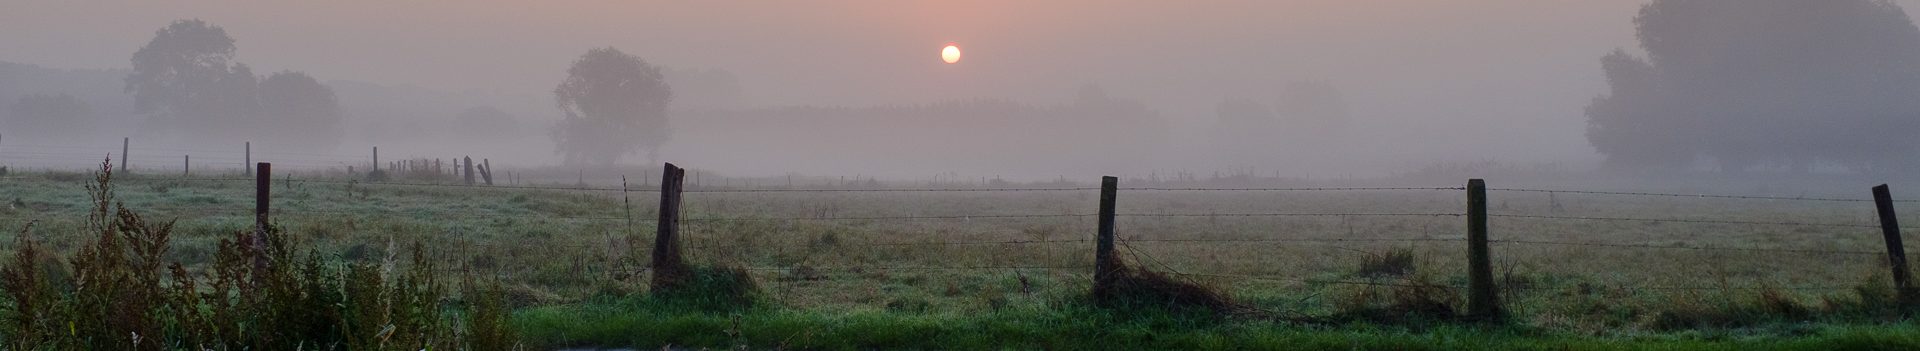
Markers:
point(876, 265)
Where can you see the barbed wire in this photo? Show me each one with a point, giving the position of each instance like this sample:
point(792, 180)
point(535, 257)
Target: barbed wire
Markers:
point(1320, 281)
point(1743, 197)
point(965, 243)
point(927, 268)
point(1651, 246)
point(1289, 215)
point(883, 190)
point(1702, 221)
point(1330, 240)
point(1719, 288)
point(479, 186)
point(1294, 189)
point(752, 219)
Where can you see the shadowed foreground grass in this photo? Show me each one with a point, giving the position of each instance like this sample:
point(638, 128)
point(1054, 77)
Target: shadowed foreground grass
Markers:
point(643, 323)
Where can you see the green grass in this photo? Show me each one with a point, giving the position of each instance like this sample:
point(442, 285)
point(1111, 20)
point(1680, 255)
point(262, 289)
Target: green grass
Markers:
point(574, 270)
point(644, 323)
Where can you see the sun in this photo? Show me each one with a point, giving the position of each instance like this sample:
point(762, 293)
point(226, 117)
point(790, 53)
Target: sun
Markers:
point(950, 54)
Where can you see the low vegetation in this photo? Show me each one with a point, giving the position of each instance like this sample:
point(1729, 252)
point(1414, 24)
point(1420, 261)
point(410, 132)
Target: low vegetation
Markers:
point(119, 291)
point(492, 268)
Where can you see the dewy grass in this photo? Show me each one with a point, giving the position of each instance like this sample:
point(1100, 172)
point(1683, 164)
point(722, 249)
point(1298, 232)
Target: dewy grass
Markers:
point(628, 323)
point(566, 260)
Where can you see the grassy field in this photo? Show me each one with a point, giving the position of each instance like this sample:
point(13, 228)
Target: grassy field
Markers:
point(1331, 269)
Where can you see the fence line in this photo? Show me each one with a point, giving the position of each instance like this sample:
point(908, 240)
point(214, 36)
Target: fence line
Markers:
point(1289, 215)
point(1702, 221)
point(1297, 189)
point(1476, 203)
point(1742, 197)
point(1651, 246)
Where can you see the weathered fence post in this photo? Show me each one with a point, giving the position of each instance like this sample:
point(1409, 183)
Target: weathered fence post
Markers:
point(467, 170)
point(668, 268)
point(186, 165)
point(262, 189)
point(486, 171)
point(626, 203)
point(376, 157)
point(1896, 251)
point(1105, 264)
point(249, 159)
point(124, 160)
point(1481, 302)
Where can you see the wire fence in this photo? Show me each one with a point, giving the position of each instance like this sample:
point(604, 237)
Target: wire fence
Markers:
point(464, 253)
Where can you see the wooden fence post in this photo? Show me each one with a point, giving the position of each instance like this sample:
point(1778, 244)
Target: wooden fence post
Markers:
point(186, 165)
point(467, 170)
point(262, 190)
point(124, 142)
point(1896, 251)
point(1482, 304)
point(249, 159)
point(486, 171)
point(1105, 264)
point(668, 267)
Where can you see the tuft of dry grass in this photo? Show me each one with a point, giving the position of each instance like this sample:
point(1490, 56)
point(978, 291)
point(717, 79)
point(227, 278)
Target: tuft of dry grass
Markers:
point(1130, 287)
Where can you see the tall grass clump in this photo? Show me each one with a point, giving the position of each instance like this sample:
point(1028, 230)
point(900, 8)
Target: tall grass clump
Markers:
point(257, 294)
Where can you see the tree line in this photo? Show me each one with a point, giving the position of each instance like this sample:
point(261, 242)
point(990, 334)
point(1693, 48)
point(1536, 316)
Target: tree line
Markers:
point(1746, 85)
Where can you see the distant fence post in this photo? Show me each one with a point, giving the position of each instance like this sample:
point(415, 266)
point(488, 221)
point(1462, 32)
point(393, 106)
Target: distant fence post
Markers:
point(1105, 264)
point(124, 142)
point(1482, 304)
point(467, 170)
point(626, 204)
point(248, 149)
point(262, 190)
point(486, 172)
point(1896, 251)
point(668, 267)
point(186, 165)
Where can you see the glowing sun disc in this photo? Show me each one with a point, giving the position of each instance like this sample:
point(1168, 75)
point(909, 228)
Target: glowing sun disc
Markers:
point(950, 54)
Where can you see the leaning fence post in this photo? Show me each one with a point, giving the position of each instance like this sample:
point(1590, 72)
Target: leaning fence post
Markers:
point(1482, 304)
point(1896, 251)
point(668, 267)
point(1105, 264)
point(486, 170)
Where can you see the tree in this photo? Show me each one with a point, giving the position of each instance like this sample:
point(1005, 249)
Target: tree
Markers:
point(49, 117)
point(186, 80)
point(614, 104)
point(299, 112)
point(1781, 83)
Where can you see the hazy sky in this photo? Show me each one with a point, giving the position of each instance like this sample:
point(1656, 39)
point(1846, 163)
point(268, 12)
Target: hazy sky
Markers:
point(1407, 66)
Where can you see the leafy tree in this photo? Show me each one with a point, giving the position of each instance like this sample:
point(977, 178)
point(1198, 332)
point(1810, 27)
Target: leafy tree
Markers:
point(299, 111)
point(1781, 83)
point(614, 104)
point(187, 80)
point(49, 117)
